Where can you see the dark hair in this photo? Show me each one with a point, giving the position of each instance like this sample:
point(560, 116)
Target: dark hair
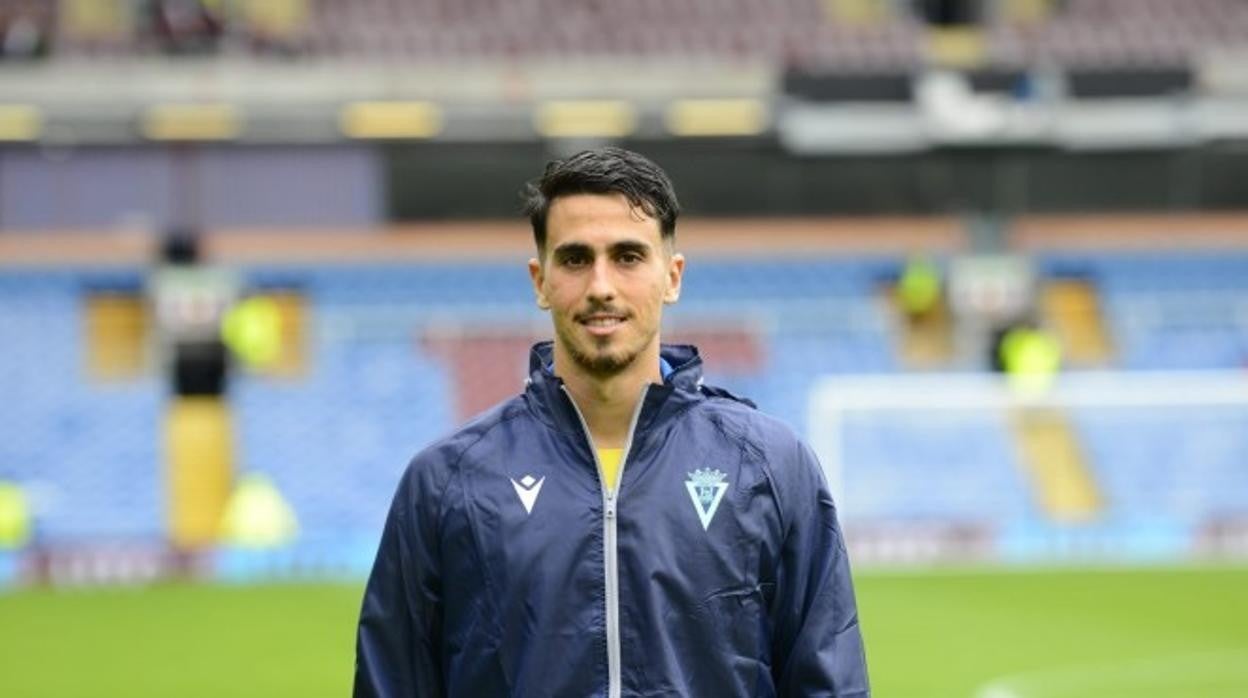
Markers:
point(608, 170)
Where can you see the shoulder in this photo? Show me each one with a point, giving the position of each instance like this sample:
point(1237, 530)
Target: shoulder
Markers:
point(763, 433)
point(783, 458)
point(436, 464)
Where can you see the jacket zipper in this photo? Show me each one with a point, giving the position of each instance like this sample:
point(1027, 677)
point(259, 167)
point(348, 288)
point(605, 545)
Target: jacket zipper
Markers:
point(610, 498)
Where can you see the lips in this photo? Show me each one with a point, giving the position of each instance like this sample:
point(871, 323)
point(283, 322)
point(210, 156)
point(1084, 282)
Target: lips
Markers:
point(602, 323)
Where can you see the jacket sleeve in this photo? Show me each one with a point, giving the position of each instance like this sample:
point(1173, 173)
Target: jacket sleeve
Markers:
point(398, 643)
point(817, 648)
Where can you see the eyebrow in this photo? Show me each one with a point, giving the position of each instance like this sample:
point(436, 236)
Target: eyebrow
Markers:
point(630, 246)
point(572, 249)
point(569, 249)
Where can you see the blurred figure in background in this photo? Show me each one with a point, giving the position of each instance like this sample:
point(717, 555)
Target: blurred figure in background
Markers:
point(919, 289)
point(188, 26)
point(25, 30)
point(189, 299)
point(1030, 356)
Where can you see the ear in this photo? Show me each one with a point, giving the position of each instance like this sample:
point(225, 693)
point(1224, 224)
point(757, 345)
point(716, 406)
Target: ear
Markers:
point(675, 271)
point(538, 276)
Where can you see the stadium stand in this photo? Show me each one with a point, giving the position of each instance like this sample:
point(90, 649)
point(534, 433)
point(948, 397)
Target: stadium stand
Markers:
point(1121, 33)
point(88, 451)
point(1169, 312)
point(335, 438)
point(376, 382)
point(802, 33)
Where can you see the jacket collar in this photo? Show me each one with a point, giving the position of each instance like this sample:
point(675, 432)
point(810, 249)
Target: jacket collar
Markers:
point(680, 388)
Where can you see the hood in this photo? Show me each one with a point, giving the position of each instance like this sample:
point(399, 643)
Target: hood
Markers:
point(681, 388)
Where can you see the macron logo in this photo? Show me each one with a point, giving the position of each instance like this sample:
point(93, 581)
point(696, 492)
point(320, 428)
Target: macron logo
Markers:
point(527, 489)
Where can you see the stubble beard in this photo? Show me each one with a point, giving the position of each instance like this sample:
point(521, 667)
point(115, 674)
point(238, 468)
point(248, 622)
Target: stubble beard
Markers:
point(600, 364)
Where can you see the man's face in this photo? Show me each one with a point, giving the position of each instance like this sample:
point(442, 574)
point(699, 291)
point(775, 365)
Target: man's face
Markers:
point(604, 275)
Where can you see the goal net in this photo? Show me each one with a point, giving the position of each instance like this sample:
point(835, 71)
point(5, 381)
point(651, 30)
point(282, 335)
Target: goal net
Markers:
point(1102, 468)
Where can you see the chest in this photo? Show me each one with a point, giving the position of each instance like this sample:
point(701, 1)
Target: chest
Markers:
point(536, 513)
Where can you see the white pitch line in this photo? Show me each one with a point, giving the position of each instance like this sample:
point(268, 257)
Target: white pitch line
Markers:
point(1058, 682)
point(997, 691)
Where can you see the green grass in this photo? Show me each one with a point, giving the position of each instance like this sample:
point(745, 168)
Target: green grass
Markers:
point(1142, 633)
point(1091, 634)
point(179, 640)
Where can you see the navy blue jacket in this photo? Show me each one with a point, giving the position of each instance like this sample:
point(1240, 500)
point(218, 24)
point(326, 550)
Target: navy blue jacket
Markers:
point(717, 571)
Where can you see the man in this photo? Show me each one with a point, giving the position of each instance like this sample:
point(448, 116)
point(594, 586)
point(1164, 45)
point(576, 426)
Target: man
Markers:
point(619, 529)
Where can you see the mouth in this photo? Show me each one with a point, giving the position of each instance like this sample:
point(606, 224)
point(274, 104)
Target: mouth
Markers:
point(601, 324)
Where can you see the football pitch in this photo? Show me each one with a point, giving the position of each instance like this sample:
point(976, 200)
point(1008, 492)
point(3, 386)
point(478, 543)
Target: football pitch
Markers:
point(1155, 633)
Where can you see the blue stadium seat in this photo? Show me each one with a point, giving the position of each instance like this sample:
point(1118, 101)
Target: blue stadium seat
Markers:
point(336, 440)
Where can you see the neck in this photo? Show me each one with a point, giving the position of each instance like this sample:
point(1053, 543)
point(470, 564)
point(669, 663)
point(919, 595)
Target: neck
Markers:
point(608, 402)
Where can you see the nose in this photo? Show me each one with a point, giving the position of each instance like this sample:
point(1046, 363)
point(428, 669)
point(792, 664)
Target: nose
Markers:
point(601, 283)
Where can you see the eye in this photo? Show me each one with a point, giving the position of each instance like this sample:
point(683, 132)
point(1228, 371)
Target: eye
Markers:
point(631, 258)
point(575, 260)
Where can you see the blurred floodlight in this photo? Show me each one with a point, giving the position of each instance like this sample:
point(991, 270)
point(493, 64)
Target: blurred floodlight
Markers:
point(717, 117)
point(396, 120)
point(586, 119)
point(191, 122)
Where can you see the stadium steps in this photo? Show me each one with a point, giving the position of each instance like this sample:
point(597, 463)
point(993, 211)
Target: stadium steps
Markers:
point(1053, 459)
point(200, 445)
point(116, 329)
point(1072, 308)
point(925, 341)
point(293, 311)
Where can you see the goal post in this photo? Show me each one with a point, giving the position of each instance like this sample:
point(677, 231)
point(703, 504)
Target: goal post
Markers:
point(1108, 466)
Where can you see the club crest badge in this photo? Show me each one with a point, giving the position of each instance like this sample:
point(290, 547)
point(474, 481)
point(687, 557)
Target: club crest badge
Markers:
point(706, 489)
